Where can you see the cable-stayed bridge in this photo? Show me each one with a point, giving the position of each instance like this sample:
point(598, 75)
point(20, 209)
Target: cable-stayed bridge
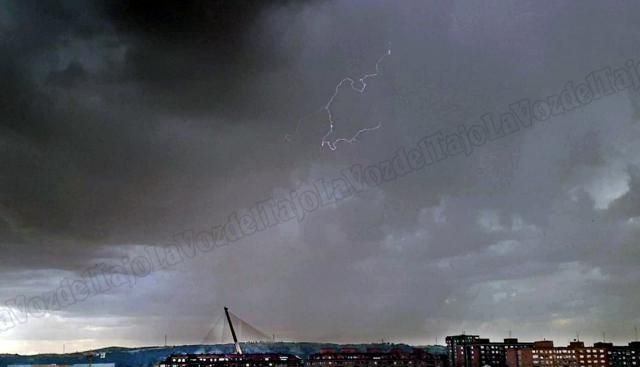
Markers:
point(220, 331)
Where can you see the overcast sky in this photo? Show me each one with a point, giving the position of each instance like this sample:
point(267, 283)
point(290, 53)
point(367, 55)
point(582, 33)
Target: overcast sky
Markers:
point(123, 124)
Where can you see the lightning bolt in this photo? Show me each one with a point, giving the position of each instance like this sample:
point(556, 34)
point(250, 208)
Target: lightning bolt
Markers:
point(327, 108)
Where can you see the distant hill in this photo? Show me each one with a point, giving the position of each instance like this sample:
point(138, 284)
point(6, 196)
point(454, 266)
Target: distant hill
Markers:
point(148, 356)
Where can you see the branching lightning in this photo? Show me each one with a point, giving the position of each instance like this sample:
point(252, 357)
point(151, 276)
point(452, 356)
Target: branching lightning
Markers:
point(327, 108)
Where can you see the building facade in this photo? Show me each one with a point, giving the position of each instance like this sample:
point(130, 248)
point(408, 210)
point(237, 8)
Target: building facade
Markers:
point(456, 350)
point(576, 354)
point(522, 357)
point(473, 351)
point(232, 360)
point(372, 358)
point(623, 356)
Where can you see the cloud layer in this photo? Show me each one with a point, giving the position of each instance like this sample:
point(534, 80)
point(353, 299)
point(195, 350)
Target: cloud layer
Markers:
point(126, 123)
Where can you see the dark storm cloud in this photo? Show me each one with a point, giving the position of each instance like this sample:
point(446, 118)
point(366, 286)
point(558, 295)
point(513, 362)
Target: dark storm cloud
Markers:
point(103, 124)
point(75, 167)
point(32, 161)
point(202, 57)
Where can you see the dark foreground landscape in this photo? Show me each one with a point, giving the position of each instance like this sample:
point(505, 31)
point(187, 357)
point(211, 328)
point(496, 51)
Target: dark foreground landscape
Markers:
point(149, 356)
